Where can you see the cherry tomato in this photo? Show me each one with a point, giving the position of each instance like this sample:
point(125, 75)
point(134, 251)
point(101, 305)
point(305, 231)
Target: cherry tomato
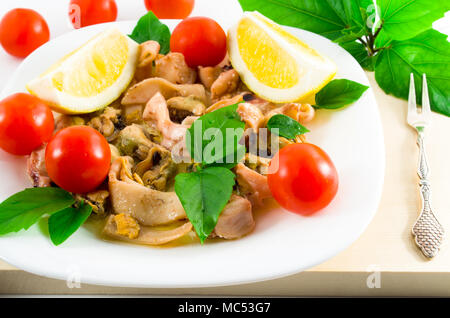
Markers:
point(201, 40)
point(306, 179)
point(22, 31)
point(25, 123)
point(77, 159)
point(87, 12)
point(170, 9)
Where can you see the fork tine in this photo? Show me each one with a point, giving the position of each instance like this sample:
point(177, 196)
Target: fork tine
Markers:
point(425, 99)
point(412, 107)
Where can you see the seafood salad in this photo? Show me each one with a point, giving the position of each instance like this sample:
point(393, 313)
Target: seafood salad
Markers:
point(138, 136)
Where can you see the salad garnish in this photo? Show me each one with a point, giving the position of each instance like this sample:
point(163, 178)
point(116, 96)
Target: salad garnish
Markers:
point(339, 93)
point(150, 28)
point(285, 126)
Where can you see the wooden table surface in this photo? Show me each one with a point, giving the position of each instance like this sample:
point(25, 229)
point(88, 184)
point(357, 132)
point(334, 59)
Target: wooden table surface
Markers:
point(383, 261)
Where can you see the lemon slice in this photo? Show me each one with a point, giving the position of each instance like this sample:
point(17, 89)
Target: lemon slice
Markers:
point(274, 64)
point(90, 77)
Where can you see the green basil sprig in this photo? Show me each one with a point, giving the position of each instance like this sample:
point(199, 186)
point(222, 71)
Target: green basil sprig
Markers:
point(25, 208)
point(62, 224)
point(339, 93)
point(402, 42)
point(286, 126)
point(207, 142)
point(150, 28)
point(205, 192)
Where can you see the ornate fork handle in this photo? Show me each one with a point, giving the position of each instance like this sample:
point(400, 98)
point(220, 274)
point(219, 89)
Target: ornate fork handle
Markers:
point(427, 230)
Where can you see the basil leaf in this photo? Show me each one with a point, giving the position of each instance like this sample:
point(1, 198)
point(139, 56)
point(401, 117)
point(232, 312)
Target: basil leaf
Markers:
point(25, 208)
point(287, 127)
point(204, 195)
point(213, 139)
point(339, 93)
point(402, 20)
point(330, 18)
point(428, 53)
point(150, 28)
point(64, 223)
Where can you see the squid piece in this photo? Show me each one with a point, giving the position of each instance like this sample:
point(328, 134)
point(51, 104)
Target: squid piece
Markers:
point(263, 105)
point(208, 75)
point(142, 92)
point(173, 68)
point(36, 168)
point(252, 184)
point(156, 113)
point(302, 113)
point(149, 207)
point(251, 115)
point(224, 102)
point(226, 84)
point(148, 53)
point(145, 235)
point(236, 219)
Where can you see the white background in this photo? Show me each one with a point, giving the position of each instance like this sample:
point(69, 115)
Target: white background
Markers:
point(55, 13)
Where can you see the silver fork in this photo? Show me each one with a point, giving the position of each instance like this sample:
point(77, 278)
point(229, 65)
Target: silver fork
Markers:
point(427, 230)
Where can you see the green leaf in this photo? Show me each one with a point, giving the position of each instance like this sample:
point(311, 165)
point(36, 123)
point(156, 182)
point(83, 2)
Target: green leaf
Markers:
point(339, 93)
point(359, 52)
point(150, 28)
point(287, 127)
point(428, 53)
point(214, 137)
point(25, 208)
point(204, 195)
point(64, 223)
point(404, 19)
point(327, 18)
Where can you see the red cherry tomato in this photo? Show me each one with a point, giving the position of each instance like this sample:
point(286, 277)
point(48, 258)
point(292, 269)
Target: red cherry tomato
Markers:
point(306, 179)
point(201, 40)
point(78, 159)
point(170, 9)
point(87, 12)
point(22, 31)
point(25, 123)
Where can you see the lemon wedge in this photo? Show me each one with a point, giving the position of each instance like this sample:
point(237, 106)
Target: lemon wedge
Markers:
point(91, 77)
point(273, 63)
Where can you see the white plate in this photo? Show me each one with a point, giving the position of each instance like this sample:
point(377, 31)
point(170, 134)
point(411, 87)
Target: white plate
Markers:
point(282, 243)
